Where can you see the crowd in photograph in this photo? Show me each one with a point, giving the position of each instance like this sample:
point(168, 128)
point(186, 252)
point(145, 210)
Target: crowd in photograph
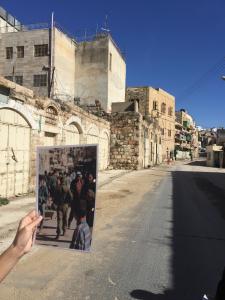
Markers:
point(72, 196)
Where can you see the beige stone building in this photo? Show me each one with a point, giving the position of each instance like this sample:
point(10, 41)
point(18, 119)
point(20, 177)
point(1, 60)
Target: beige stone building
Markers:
point(159, 105)
point(135, 141)
point(27, 121)
point(186, 137)
point(53, 64)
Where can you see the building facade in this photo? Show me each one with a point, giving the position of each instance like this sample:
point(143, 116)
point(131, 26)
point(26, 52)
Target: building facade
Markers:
point(157, 104)
point(27, 121)
point(100, 72)
point(54, 65)
point(135, 142)
point(186, 137)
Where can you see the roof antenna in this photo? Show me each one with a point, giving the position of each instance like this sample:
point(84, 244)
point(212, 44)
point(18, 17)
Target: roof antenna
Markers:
point(105, 28)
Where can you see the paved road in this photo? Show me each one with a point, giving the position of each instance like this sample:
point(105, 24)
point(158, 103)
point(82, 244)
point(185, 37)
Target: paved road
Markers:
point(167, 242)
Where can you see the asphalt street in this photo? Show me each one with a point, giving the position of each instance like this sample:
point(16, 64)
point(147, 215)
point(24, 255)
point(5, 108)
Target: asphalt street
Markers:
point(168, 245)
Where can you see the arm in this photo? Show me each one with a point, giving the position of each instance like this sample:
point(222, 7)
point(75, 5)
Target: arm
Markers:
point(21, 244)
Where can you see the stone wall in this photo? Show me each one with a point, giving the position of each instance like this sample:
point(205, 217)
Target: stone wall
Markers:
point(124, 142)
point(51, 130)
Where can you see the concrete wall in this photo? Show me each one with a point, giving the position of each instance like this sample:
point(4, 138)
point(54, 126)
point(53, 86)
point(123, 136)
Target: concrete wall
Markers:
point(29, 65)
point(214, 154)
point(94, 79)
point(116, 75)
point(64, 62)
point(91, 77)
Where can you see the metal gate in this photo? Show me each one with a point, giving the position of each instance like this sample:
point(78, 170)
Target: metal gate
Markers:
point(72, 135)
point(15, 135)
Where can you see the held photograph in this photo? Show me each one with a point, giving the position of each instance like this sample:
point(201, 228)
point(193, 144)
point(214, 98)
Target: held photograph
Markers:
point(65, 196)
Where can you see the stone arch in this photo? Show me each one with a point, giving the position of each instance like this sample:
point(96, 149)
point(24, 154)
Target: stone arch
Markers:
point(15, 136)
point(76, 121)
point(23, 113)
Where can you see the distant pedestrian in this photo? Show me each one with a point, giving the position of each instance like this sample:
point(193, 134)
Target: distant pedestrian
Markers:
point(82, 236)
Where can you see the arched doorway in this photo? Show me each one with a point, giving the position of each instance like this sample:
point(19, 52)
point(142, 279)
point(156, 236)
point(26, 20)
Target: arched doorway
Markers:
point(93, 135)
point(15, 137)
point(72, 134)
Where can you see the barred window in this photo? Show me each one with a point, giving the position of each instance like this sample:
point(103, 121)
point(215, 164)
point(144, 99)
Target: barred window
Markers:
point(9, 52)
point(9, 78)
point(40, 80)
point(20, 51)
point(155, 105)
point(19, 80)
point(41, 50)
point(169, 132)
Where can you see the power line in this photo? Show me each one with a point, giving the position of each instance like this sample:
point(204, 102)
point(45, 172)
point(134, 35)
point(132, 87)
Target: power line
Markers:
point(219, 66)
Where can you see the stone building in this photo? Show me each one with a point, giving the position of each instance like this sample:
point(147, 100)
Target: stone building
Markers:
point(53, 64)
point(27, 121)
point(135, 139)
point(186, 137)
point(158, 105)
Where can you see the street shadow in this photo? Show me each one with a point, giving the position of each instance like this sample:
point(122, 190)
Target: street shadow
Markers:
point(197, 239)
point(145, 295)
point(200, 163)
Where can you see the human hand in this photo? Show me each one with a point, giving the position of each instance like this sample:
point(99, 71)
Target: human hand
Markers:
point(25, 232)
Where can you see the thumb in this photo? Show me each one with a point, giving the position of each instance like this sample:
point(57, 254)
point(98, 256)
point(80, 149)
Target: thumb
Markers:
point(33, 224)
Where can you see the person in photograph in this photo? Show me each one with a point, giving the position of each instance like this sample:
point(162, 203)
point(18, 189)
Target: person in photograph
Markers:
point(21, 245)
point(63, 198)
point(75, 188)
point(42, 199)
point(82, 236)
point(90, 202)
point(52, 184)
point(90, 183)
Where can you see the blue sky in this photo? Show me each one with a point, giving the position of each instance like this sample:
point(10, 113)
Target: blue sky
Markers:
point(177, 45)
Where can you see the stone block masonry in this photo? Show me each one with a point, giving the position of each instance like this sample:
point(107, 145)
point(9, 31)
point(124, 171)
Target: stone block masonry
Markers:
point(125, 140)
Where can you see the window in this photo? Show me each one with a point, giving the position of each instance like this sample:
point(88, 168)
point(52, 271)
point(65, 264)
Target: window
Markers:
point(170, 111)
point(169, 132)
point(9, 78)
point(163, 108)
point(40, 80)
point(9, 52)
point(41, 50)
point(110, 62)
point(155, 105)
point(162, 131)
point(19, 80)
point(20, 51)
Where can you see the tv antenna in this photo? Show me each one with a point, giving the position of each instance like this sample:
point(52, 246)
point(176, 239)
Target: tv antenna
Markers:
point(106, 28)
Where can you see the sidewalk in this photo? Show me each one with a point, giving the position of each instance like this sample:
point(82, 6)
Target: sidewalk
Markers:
point(11, 214)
